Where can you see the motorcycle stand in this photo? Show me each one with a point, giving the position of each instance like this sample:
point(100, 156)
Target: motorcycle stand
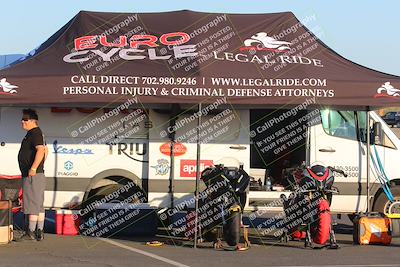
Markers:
point(308, 240)
point(332, 241)
point(218, 244)
point(247, 243)
point(284, 238)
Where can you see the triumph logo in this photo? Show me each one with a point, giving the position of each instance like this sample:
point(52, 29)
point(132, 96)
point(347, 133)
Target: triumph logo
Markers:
point(387, 90)
point(131, 49)
point(8, 89)
point(261, 41)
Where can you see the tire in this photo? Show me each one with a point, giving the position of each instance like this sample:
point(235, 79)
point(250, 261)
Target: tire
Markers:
point(382, 203)
point(99, 193)
point(322, 229)
point(232, 229)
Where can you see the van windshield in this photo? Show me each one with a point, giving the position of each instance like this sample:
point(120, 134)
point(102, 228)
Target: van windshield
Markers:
point(344, 124)
point(339, 123)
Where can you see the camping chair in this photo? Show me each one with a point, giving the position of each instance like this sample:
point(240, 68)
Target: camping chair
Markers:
point(11, 189)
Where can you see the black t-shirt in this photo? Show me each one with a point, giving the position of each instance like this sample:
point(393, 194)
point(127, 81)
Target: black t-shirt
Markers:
point(27, 152)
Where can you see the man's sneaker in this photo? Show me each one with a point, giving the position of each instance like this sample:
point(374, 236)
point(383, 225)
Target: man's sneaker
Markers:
point(39, 235)
point(28, 236)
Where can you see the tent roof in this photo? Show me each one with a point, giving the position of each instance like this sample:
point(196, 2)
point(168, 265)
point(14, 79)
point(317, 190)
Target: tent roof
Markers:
point(188, 57)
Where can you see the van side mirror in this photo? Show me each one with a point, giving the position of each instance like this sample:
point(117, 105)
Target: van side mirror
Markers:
point(376, 136)
point(377, 133)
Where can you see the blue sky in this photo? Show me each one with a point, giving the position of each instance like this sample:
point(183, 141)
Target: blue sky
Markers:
point(366, 32)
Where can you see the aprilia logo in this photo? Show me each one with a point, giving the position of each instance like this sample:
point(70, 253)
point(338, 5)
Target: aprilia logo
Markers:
point(188, 167)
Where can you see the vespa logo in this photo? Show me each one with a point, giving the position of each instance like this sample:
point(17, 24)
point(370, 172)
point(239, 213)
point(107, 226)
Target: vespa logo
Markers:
point(387, 90)
point(58, 149)
point(261, 41)
point(8, 89)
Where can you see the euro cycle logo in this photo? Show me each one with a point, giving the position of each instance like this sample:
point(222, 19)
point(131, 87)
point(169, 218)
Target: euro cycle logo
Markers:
point(7, 88)
point(138, 47)
point(261, 41)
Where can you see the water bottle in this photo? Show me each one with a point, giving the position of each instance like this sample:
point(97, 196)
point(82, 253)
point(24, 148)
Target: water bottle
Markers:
point(268, 184)
point(267, 180)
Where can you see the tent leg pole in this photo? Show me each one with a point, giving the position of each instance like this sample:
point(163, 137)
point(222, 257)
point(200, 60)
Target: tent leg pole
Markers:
point(368, 160)
point(196, 194)
point(172, 172)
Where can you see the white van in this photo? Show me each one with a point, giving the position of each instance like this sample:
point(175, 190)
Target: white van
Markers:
point(88, 158)
point(337, 138)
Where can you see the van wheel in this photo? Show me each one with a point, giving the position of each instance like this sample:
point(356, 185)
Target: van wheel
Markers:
point(107, 190)
point(382, 203)
point(115, 189)
point(104, 194)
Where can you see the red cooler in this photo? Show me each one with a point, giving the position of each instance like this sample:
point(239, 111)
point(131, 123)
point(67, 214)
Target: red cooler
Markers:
point(67, 222)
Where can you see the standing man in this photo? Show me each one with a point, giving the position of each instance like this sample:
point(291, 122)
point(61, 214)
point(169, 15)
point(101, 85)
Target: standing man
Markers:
point(31, 157)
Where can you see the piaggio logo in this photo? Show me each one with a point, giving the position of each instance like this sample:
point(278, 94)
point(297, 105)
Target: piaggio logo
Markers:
point(8, 89)
point(68, 165)
point(261, 41)
point(387, 90)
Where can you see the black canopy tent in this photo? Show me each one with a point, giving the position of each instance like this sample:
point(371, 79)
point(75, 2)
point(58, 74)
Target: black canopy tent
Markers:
point(187, 57)
point(253, 59)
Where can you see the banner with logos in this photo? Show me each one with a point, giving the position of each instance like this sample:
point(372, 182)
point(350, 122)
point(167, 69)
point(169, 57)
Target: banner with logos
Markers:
point(188, 57)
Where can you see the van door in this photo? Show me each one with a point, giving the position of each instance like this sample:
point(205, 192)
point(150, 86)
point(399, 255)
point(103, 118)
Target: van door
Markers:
point(386, 149)
point(335, 142)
